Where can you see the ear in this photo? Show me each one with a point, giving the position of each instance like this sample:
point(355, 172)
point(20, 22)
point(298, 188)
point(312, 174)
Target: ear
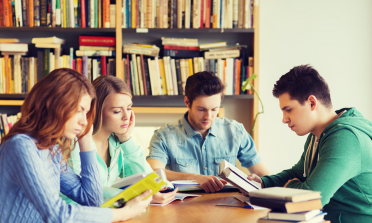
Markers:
point(187, 102)
point(313, 101)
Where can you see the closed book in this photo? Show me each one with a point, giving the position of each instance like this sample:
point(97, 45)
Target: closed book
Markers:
point(47, 45)
point(286, 194)
point(147, 77)
point(52, 39)
point(142, 64)
point(24, 12)
point(80, 53)
point(9, 40)
point(179, 41)
point(179, 78)
point(46, 53)
point(96, 41)
point(123, 183)
point(316, 219)
point(133, 49)
point(287, 207)
point(40, 67)
point(43, 13)
point(94, 48)
point(300, 216)
point(103, 64)
point(37, 13)
point(175, 47)
point(181, 53)
point(14, 47)
point(212, 45)
point(222, 54)
point(2, 133)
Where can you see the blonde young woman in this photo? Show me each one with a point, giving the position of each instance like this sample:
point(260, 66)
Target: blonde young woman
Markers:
point(117, 154)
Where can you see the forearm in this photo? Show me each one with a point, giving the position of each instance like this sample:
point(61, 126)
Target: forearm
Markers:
point(172, 175)
point(280, 179)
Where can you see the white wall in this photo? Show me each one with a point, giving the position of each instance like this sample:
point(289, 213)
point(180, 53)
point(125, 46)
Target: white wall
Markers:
point(335, 37)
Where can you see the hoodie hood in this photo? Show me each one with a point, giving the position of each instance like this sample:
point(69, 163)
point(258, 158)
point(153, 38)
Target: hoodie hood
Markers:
point(351, 118)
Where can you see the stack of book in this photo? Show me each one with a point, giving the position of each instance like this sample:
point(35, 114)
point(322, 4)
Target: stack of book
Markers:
point(95, 46)
point(180, 47)
point(289, 205)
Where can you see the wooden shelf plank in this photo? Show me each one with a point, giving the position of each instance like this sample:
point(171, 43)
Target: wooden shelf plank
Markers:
point(130, 30)
point(57, 29)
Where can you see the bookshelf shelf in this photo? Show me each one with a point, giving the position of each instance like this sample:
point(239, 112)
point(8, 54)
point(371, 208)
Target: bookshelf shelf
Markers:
point(58, 29)
point(128, 31)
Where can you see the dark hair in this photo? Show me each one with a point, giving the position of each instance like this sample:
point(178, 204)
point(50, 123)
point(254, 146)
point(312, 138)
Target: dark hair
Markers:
point(301, 82)
point(49, 105)
point(203, 83)
point(105, 86)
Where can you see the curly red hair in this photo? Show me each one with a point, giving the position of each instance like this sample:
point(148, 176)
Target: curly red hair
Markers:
point(49, 105)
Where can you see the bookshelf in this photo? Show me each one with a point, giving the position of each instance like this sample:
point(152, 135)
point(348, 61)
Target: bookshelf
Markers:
point(10, 103)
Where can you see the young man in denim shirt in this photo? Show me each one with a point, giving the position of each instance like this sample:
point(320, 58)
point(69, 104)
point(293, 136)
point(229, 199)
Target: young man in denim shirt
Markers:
point(192, 147)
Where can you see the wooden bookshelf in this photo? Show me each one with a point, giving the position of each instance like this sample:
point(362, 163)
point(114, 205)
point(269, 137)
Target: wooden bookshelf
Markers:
point(247, 37)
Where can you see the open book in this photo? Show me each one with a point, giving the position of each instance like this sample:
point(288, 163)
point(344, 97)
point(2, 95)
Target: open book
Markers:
point(179, 196)
point(151, 181)
point(236, 177)
point(192, 185)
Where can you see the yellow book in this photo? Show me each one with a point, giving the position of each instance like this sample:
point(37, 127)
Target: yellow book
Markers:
point(134, 18)
point(12, 83)
point(162, 74)
point(191, 67)
point(150, 182)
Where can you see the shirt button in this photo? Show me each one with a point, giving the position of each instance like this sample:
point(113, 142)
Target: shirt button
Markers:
point(205, 168)
point(203, 147)
point(187, 164)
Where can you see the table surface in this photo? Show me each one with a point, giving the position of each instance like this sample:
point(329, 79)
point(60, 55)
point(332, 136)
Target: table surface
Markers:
point(201, 209)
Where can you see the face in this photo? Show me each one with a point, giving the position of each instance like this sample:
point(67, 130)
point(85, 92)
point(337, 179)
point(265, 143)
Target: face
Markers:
point(203, 111)
point(299, 118)
point(77, 123)
point(117, 113)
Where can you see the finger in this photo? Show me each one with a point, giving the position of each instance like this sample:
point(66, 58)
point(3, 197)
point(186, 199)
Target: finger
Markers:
point(218, 183)
point(205, 187)
point(223, 181)
point(210, 187)
point(252, 176)
point(214, 184)
point(144, 194)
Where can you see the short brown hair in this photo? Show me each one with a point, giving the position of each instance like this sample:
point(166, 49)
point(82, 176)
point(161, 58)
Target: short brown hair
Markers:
point(203, 84)
point(301, 82)
point(105, 86)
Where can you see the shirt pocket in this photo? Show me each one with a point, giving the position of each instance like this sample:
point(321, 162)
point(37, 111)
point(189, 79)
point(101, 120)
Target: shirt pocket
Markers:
point(217, 160)
point(187, 165)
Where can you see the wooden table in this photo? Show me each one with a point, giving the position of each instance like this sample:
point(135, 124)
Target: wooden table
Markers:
point(201, 209)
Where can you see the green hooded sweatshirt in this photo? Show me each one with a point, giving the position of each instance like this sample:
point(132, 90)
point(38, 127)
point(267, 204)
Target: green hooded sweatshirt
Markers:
point(340, 167)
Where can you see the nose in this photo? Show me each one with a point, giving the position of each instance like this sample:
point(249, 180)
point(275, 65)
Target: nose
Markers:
point(208, 115)
point(126, 114)
point(285, 119)
point(84, 120)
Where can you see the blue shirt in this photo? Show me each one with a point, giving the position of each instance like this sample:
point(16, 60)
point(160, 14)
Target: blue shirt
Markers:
point(31, 179)
point(182, 149)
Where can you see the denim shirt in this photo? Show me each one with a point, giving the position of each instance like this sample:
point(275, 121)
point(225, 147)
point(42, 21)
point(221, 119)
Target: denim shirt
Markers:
point(182, 149)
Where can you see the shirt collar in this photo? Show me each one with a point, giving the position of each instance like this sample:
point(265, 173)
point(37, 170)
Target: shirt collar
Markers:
point(190, 132)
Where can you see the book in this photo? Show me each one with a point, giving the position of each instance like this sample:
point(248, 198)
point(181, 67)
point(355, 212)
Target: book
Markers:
point(180, 53)
point(95, 48)
point(211, 45)
point(7, 40)
point(96, 41)
point(150, 182)
point(179, 41)
point(143, 50)
point(287, 207)
point(222, 54)
point(316, 219)
point(14, 47)
point(127, 181)
point(286, 194)
point(191, 185)
point(236, 177)
point(52, 39)
point(48, 45)
point(178, 196)
point(80, 53)
point(300, 216)
point(173, 47)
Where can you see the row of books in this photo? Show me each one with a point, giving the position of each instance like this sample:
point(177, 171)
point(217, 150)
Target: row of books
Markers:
point(135, 13)
point(6, 122)
point(57, 13)
point(167, 76)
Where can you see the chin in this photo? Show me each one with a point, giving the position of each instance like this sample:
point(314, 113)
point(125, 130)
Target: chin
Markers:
point(70, 136)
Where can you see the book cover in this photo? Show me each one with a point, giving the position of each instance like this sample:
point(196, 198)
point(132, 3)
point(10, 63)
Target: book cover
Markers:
point(222, 54)
point(300, 216)
point(179, 78)
point(123, 183)
point(286, 194)
point(43, 12)
point(150, 182)
point(318, 218)
point(287, 207)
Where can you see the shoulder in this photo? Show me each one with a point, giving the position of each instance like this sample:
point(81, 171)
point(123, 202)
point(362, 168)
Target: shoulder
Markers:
point(229, 125)
point(171, 128)
point(18, 145)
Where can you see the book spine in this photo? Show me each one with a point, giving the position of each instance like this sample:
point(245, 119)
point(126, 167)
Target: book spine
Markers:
point(145, 87)
point(106, 13)
point(174, 47)
point(82, 13)
point(179, 79)
point(175, 13)
point(11, 13)
point(96, 41)
point(103, 64)
point(36, 13)
point(24, 12)
point(180, 53)
point(43, 12)
point(147, 77)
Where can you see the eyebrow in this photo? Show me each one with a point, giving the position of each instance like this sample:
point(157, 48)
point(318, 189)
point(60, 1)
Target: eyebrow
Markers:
point(205, 108)
point(82, 108)
point(122, 107)
point(285, 108)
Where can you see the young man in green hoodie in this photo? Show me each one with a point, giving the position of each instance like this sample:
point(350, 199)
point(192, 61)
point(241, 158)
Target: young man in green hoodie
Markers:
point(337, 157)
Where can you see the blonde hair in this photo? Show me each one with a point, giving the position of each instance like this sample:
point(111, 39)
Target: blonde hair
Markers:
point(106, 86)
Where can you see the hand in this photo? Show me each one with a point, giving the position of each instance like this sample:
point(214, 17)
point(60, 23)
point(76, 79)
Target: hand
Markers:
point(210, 184)
point(256, 178)
point(85, 142)
point(163, 198)
point(132, 208)
point(126, 136)
point(285, 185)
